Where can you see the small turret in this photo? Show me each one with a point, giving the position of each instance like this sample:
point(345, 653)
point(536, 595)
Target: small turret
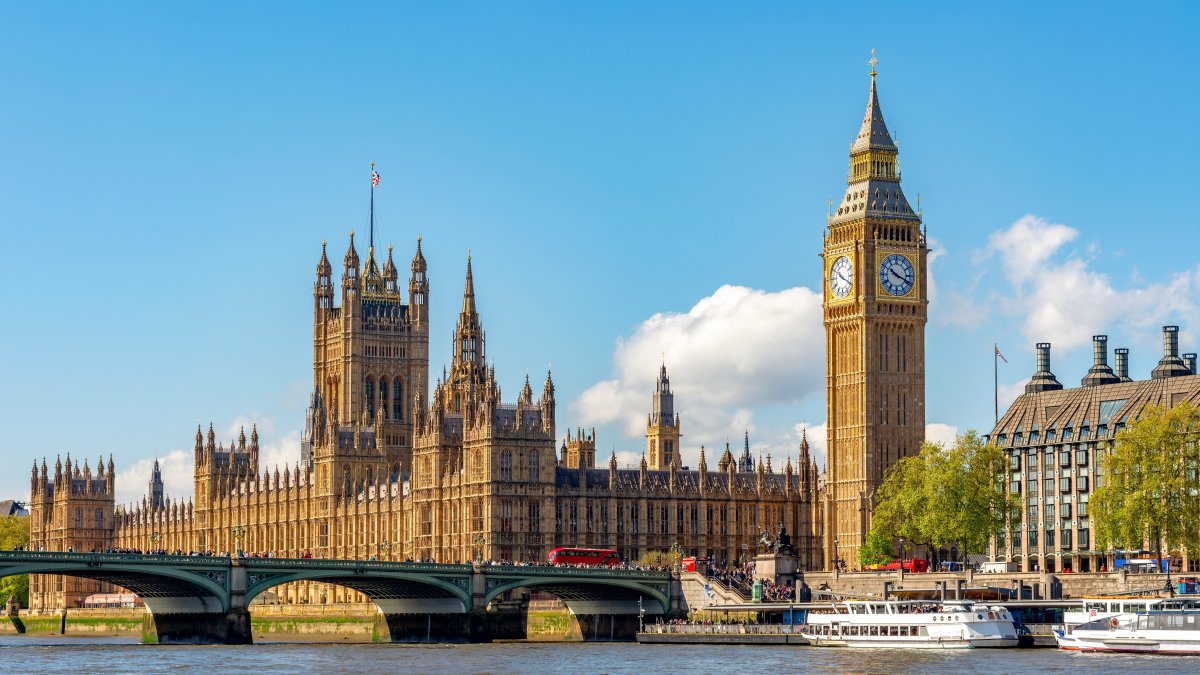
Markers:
point(390, 276)
point(418, 288)
point(323, 288)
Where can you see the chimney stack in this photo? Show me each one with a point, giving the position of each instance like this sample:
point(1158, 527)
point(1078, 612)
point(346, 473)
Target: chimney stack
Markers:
point(1043, 379)
point(1100, 373)
point(1121, 364)
point(1170, 365)
point(1190, 361)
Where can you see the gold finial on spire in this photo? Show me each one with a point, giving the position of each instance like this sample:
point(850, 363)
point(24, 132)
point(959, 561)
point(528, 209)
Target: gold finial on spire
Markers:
point(829, 207)
point(872, 62)
point(373, 163)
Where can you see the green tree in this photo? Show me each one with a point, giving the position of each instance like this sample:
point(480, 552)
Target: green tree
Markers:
point(669, 558)
point(944, 495)
point(14, 533)
point(1150, 472)
point(876, 550)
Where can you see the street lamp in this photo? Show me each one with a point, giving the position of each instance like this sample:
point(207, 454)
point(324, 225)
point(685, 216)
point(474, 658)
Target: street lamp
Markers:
point(237, 533)
point(155, 540)
point(478, 542)
point(901, 554)
point(384, 548)
point(836, 559)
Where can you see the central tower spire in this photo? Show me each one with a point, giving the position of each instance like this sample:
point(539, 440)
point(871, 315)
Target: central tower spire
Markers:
point(875, 310)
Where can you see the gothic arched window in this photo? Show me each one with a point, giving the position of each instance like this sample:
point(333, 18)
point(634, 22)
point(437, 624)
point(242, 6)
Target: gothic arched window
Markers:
point(535, 468)
point(383, 395)
point(506, 466)
point(397, 400)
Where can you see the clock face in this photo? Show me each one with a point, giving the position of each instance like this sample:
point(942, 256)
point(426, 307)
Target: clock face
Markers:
point(841, 277)
point(896, 274)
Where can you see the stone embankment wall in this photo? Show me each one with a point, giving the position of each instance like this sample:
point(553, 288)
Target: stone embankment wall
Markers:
point(870, 584)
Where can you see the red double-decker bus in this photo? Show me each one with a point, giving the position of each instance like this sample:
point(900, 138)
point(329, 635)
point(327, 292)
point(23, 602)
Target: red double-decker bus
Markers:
point(583, 556)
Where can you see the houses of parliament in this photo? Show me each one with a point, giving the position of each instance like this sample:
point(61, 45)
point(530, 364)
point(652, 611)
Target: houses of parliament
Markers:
point(399, 462)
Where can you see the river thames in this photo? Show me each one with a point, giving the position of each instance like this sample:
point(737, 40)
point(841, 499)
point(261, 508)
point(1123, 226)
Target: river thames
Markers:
point(118, 655)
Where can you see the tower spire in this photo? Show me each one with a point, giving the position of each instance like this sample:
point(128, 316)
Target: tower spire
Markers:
point(469, 290)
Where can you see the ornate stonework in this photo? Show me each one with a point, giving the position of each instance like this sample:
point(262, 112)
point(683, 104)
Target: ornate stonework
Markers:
point(875, 311)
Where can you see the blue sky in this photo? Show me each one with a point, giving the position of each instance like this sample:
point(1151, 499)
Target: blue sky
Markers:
point(633, 180)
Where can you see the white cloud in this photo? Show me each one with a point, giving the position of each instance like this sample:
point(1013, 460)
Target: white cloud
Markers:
point(1057, 297)
point(936, 432)
point(177, 466)
point(133, 481)
point(735, 349)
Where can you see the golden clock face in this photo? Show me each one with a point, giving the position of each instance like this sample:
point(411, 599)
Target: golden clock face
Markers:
point(841, 277)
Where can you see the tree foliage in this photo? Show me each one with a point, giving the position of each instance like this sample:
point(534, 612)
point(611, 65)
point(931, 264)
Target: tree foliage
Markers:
point(945, 495)
point(663, 559)
point(876, 550)
point(1149, 490)
point(14, 533)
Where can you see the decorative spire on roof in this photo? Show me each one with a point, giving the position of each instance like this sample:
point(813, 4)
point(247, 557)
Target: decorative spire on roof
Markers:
point(873, 184)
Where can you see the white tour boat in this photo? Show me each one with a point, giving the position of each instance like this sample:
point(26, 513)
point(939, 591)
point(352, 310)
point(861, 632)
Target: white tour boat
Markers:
point(1165, 630)
point(910, 624)
point(1096, 609)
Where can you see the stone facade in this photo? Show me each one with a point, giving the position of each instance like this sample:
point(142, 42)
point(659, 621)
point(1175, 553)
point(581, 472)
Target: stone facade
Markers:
point(875, 308)
point(393, 467)
point(386, 472)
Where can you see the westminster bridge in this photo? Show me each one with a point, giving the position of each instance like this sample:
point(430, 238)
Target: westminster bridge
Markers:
point(202, 599)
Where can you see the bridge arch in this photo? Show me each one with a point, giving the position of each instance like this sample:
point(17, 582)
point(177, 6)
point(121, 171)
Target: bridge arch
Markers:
point(393, 591)
point(591, 595)
point(164, 587)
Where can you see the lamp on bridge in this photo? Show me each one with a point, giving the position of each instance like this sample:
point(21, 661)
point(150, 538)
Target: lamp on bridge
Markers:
point(238, 534)
point(836, 560)
point(384, 548)
point(901, 554)
point(478, 541)
point(155, 541)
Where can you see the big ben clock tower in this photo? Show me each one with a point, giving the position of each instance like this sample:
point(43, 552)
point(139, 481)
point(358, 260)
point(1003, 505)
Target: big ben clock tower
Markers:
point(875, 308)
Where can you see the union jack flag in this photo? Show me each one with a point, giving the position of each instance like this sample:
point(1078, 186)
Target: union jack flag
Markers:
point(374, 178)
point(999, 354)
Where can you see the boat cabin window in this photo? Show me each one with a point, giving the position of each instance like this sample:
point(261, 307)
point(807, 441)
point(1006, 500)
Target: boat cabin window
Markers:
point(1169, 621)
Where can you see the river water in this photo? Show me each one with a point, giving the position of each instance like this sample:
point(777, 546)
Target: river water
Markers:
point(121, 655)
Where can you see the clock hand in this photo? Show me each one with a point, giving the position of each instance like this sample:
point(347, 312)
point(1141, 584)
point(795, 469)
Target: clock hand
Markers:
point(892, 272)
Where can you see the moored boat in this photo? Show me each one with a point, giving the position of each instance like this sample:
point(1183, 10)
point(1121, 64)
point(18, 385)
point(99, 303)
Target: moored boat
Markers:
point(910, 625)
point(1170, 630)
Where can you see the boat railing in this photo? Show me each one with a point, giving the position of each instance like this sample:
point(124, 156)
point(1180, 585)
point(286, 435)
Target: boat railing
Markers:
point(722, 629)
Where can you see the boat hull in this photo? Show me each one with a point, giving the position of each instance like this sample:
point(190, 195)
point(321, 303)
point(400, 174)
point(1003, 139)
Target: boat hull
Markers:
point(911, 643)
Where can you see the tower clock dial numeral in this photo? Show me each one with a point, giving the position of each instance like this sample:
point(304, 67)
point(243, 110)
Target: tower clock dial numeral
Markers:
point(896, 275)
point(841, 277)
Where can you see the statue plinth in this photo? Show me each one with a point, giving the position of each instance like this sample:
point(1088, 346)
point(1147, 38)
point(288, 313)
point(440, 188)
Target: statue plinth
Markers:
point(780, 568)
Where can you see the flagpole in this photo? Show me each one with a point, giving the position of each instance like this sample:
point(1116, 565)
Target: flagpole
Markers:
point(996, 380)
point(372, 236)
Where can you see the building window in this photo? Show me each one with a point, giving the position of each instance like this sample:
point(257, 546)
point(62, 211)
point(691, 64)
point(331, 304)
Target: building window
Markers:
point(397, 400)
point(1065, 539)
point(1064, 458)
point(1049, 539)
point(1083, 502)
point(1064, 484)
point(506, 516)
point(1032, 537)
point(99, 519)
point(506, 466)
point(1081, 456)
point(1064, 510)
point(535, 468)
point(1082, 483)
point(535, 517)
point(1085, 539)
